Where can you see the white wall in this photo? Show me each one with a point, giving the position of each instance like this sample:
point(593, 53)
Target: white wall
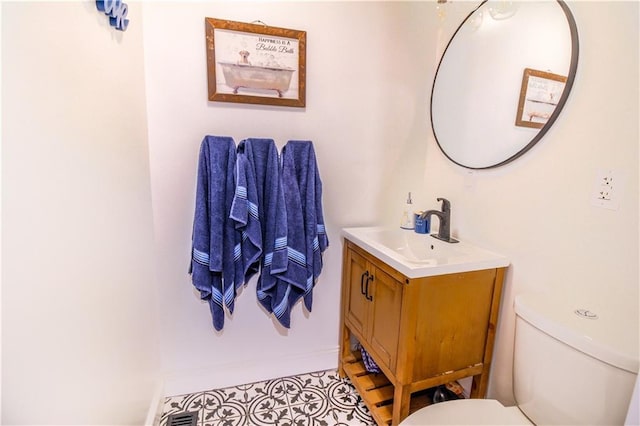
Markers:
point(537, 209)
point(370, 68)
point(361, 104)
point(79, 320)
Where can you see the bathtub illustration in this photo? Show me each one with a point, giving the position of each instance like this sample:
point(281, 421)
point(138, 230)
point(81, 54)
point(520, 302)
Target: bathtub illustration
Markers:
point(238, 76)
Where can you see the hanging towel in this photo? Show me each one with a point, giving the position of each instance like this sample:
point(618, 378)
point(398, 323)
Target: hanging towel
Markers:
point(269, 246)
point(291, 283)
point(307, 179)
point(246, 215)
point(214, 235)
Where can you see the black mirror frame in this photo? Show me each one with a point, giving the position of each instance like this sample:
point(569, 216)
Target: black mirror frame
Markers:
point(575, 47)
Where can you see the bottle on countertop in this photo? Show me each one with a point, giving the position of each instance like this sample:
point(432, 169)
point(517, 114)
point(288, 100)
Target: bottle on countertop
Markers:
point(421, 224)
point(408, 218)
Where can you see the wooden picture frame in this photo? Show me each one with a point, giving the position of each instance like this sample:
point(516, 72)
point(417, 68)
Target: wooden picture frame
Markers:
point(255, 63)
point(539, 95)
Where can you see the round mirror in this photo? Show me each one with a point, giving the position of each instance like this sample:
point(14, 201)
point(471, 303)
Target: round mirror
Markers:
point(502, 81)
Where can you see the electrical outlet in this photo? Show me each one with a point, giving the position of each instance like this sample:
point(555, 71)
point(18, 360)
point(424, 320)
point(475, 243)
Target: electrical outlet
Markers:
point(605, 189)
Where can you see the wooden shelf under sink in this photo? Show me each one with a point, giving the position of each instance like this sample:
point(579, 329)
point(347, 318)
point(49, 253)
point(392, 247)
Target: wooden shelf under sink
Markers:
point(377, 391)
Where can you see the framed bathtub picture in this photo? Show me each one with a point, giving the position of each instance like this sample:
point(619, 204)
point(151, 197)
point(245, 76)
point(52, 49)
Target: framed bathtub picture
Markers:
point(539, 95)
point(255, 63)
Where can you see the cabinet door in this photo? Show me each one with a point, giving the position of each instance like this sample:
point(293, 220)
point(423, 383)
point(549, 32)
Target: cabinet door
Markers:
point(385, 317)
point(357, 306)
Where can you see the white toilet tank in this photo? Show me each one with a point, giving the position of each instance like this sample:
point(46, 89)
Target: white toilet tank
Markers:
point(574, 368)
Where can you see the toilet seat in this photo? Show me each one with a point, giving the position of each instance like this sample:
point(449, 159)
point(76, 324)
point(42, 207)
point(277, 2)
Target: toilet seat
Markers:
point(467, 412)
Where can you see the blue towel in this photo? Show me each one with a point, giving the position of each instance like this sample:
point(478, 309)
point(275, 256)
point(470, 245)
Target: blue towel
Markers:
point(292, 282)
point(309, 184)
point(258, 167)
point(214, 236)
point(246, 214)
point(306, 236)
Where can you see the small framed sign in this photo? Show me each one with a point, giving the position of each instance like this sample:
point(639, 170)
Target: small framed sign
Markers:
point(539, 95)
point(255, 63)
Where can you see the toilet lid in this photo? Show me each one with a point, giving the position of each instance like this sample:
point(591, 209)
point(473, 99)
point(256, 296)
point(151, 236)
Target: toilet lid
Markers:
point(467, 412)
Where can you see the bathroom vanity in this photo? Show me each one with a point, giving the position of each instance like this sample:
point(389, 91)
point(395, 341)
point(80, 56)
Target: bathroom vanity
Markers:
point(426, 321)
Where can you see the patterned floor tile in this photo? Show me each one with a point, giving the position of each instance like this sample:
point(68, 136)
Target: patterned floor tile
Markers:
point(277, 416)
point(299, 390)
point(326, 413)
point(313, 399)
point(227, 421)
point(220, 406)
point(346, 407)
point(322, 380)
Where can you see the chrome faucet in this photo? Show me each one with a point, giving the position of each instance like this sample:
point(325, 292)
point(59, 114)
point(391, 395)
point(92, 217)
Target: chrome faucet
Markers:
point(444, 217)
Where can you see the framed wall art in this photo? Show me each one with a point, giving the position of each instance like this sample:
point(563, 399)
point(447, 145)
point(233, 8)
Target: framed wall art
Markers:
point(539, 95)
point(255, 64)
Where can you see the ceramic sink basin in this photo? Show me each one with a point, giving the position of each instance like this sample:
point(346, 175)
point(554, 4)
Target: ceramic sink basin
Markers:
point(421, 255)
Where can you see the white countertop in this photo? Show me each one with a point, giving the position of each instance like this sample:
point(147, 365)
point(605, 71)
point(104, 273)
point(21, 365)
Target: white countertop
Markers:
point(420, 255)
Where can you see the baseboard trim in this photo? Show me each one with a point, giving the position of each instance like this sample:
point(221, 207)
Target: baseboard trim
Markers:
point(233, 374)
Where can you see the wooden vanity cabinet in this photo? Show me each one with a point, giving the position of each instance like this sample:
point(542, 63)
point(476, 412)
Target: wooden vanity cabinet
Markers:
point(373, 306)
point(422, 332)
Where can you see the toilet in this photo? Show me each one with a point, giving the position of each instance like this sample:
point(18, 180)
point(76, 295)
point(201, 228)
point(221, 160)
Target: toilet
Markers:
point(571, 366)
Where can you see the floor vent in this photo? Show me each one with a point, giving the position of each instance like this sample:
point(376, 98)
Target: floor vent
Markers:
point(183, 419)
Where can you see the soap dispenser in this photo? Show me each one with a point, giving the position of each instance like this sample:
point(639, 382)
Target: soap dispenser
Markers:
point(408, 218)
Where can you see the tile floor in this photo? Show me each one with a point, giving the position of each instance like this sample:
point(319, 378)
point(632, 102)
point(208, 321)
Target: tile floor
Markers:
point(314, 399)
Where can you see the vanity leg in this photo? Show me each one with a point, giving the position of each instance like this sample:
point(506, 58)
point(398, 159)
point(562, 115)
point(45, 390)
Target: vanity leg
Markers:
point(345, 333)
point(479, 385)
point(345, 349)
point(401, 402)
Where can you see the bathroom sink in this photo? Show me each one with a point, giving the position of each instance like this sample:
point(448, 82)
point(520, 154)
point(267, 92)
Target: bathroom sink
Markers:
point(420, 255)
